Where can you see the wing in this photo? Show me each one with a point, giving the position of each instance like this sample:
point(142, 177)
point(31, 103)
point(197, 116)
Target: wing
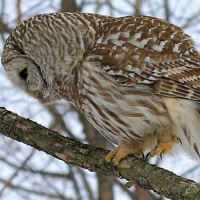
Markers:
point(147, 50)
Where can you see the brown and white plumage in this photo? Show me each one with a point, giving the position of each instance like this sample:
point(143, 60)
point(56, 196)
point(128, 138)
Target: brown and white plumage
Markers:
point(135, 78)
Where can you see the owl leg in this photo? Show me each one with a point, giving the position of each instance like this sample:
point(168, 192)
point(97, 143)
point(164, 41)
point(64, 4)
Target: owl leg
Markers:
point(123, 150)
point(164, 146)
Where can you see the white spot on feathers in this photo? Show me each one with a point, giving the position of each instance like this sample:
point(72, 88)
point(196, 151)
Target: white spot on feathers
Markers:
point(111, 72)
point(137, 35)
point(144, 41)
point(172, 36)
point(136, 57)
point(131, 75)
point(106, 67)
point(128, 67)
point(146, 81)
point(137, 71)
point(175, 49)
point(156, 71)
point(124, 48)
point(147, 59)
point(190, 94)
point(113, 36)
point(136, 43)
point(158, 48)
point(116, 56)
point(152, 78)
point(125, 34)
point(117, 42)
point(163, 70)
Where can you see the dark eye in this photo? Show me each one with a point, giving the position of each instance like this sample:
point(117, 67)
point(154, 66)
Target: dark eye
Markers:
point(24, 74)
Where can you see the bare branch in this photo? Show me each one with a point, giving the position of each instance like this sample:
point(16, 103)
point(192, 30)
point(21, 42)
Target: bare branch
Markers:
point(30, 191)
point(167, 11)
point(16, 172)
point(68, 6)
point(138, 5)
point(73, 152)
point(4, 27)
point(19, 14)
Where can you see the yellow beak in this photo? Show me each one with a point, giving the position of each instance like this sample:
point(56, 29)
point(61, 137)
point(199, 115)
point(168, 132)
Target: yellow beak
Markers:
point(33, 95)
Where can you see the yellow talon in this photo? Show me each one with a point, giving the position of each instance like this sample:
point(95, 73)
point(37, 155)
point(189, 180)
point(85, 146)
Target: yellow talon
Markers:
point(111, 155)
point(160, 149)
point(164, 147)
point(167, 149)
point(108, 158)
point(116, 161)
point(122, 151)
point(137, 147)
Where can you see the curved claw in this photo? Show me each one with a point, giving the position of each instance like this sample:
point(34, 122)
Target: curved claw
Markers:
point(179, 140)
point(143, 156)
point(164, 149)
point(112, 165)
point(147, 156)
point(161, 156)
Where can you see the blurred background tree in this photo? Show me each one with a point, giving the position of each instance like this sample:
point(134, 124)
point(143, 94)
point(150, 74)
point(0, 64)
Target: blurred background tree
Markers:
point(27, 174)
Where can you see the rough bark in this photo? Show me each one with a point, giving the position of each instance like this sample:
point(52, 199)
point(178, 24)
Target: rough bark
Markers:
point(73, 152)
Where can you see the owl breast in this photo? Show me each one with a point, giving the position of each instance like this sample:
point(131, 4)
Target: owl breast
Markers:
point(113, 109)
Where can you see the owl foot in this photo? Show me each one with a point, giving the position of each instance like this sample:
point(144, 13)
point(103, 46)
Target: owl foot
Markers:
point(122, 151)
point(163, 148)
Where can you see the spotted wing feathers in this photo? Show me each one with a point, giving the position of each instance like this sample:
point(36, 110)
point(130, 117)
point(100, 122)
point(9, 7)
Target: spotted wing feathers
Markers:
point(146, 50)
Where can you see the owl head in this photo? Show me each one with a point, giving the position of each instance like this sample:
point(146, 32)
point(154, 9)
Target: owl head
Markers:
point(27, 62)
point(39, 54)
point(25, 74)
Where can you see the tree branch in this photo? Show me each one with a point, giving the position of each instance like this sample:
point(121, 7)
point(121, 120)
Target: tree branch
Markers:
point(73, 152)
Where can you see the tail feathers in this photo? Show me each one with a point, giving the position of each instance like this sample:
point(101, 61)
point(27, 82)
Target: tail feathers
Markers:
point(191, 146)
point(174, 89)
point(186, 125)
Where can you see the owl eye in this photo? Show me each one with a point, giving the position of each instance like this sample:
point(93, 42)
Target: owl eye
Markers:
point(24, 74)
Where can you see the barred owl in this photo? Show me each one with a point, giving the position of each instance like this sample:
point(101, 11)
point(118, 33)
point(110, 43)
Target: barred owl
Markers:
point(135, 78)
